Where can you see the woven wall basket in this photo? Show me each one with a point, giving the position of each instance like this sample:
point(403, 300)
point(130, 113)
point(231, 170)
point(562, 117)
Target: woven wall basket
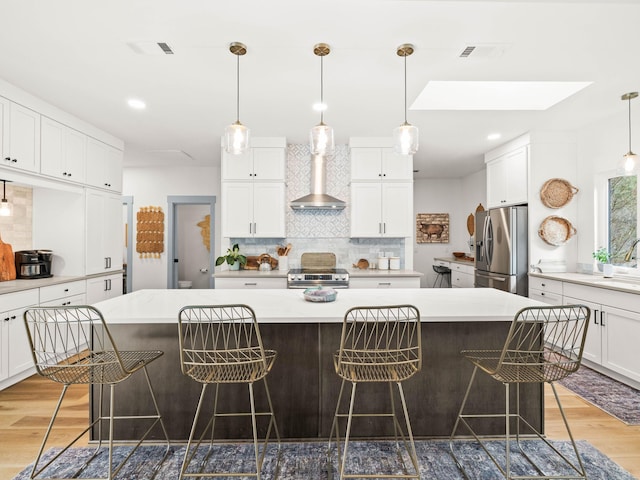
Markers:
point(557, 192)
point(556, 230)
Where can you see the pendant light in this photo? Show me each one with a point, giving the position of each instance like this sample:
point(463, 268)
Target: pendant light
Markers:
point(5, 206)
point(405, 137)
point(630, 160)
point(321, 136)
point(237, 135)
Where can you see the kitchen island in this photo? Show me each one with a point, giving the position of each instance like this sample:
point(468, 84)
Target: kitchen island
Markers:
point(303, 382)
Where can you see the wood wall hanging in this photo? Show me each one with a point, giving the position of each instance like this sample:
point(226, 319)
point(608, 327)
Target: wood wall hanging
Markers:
point(432, 228)
point(150, 232)
point(205, 231)
point(556, 230)
point(557, 192)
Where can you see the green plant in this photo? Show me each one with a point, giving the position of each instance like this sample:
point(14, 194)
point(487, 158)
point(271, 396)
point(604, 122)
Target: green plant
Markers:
point(601, 255)
point(232, 256)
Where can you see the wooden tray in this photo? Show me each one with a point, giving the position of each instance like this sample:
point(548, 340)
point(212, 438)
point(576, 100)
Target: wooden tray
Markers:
point(556, 230)
point(557, 192)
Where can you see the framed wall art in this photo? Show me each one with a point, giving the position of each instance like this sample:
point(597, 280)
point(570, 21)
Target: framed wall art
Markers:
point(432, 228)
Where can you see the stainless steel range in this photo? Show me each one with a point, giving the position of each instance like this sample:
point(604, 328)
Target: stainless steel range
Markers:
point(318, 269)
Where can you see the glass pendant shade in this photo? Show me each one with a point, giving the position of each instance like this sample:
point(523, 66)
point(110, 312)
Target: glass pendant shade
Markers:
point(405, 139)
point(236, 138)
point(321, 140)
point(5, 208)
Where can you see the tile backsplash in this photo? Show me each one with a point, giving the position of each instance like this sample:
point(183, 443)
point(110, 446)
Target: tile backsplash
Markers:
point(321, 230)
point(17, 230)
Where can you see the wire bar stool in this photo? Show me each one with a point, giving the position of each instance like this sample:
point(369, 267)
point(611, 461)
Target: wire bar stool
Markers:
point(544, 345)
point(378, 344)
point(221, 344)
point(72, 345)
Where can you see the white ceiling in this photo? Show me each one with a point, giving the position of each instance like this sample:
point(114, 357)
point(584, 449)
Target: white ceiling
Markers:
point(74, 54)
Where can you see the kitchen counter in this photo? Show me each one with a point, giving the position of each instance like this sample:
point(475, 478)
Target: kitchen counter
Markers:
point(353, 272)
point(374, 272)
point(251, 274)
point(620, 283)
point(471, 263)
point(305, 335)
point(12, 286)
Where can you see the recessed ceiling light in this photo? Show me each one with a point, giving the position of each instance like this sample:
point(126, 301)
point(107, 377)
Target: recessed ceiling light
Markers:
point(319, 107)
point(461, 95)
point(136, 104)
point(493, 136)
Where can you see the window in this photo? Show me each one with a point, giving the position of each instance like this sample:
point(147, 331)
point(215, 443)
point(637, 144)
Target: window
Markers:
point(622, 220)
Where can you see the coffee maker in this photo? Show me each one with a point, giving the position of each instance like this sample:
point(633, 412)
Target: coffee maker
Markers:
point(33, 264)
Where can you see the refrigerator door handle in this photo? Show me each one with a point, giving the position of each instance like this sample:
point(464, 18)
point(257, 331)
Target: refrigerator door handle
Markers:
point(485, 240)
point(491, 277)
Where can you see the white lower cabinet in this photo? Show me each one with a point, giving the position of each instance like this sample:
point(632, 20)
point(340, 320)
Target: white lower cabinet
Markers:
point(251, 282)
point(613, 331)
point(103, 288)
point(15, 353)
point(380, 282)
point(462, 276)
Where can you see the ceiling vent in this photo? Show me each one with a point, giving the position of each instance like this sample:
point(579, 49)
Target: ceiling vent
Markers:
point(150, 48)
point(486, 50)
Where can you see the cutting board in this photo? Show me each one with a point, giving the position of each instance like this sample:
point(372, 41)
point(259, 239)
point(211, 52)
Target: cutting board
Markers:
point(7, 262)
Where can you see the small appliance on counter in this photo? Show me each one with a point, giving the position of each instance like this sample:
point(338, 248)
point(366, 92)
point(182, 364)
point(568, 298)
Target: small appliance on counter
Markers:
point(33, 264)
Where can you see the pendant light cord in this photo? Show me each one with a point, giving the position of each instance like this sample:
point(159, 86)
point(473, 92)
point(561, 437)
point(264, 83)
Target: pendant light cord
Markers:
point(238, 88)
point(405, 89)
point(322, 89)
point(630, 124)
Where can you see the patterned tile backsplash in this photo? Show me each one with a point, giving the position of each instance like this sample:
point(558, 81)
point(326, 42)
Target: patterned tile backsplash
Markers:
point(321, 230)
point(16, 229)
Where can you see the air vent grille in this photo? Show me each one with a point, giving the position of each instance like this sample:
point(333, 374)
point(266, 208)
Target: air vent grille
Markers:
point(467, 51)
point(165, 48)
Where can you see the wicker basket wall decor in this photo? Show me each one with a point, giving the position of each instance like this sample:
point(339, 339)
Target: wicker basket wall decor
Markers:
point(150, 232)
point(557, 192)
point(556, 230)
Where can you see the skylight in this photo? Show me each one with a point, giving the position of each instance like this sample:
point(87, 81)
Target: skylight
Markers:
point(494, 95)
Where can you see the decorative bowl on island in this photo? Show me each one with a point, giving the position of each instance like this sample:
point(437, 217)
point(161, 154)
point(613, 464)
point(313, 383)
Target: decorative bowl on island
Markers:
point(320, 294)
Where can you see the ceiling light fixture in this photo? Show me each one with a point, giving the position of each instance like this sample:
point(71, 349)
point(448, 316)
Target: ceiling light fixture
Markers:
point(321, 136)
point(5, 206)
point(136, 104)
point(236, 135)
point(405, 137)
point(630, 159)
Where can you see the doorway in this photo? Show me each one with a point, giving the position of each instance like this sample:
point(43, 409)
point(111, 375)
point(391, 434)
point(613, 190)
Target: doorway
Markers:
point(191, 241)
point(127, 218)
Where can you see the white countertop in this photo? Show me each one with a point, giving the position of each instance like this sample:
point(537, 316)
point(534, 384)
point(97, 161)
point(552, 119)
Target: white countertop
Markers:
point(289, 306)
point(12, 286)
point(353, 272)
point(618, 283)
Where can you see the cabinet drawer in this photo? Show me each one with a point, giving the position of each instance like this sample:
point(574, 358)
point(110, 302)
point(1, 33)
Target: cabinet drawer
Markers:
point(442, 263)
point(63, 290)
point(378, 282)
point(75, 300)
point(25, 298)
point(251, 282)
point(545, 285)
point(550, 298)
point(466, 269)
point(462, 280)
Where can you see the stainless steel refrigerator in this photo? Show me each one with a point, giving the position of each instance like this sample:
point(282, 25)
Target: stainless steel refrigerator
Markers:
point(501, 249)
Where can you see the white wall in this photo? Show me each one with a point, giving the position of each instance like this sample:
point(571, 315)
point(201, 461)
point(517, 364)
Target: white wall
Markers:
point(458, 197)
point(152, 186)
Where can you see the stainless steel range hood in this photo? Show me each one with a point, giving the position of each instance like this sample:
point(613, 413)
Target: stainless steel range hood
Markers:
point(318, 199)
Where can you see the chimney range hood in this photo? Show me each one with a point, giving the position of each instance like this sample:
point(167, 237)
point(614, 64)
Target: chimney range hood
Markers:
point(318, 199)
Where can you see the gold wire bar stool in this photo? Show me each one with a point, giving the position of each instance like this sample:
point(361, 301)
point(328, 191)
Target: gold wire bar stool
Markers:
point(73, 345)
point(222, 344)
point(378, 344)
point(544, 344)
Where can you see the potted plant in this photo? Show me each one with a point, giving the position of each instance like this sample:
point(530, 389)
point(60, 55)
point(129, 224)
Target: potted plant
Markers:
point(233, 257)
point(603, 256)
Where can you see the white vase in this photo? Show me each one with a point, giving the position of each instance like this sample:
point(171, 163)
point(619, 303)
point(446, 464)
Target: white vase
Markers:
point(235, 266)
point(607, 270)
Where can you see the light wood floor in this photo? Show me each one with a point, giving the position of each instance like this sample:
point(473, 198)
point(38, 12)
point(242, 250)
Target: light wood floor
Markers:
point(25, 410)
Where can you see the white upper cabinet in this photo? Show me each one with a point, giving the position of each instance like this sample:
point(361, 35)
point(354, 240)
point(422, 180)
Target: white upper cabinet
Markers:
point(104, 166)
point(21, 137)
point(63, 151)
point(374, 163)
point(507, 178)
point(264, 161)
point(253, 209)
point(381, 209)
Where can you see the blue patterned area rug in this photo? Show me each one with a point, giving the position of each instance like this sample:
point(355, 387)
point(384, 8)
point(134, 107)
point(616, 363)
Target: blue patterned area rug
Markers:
point(615, 398)
point(308, 460)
